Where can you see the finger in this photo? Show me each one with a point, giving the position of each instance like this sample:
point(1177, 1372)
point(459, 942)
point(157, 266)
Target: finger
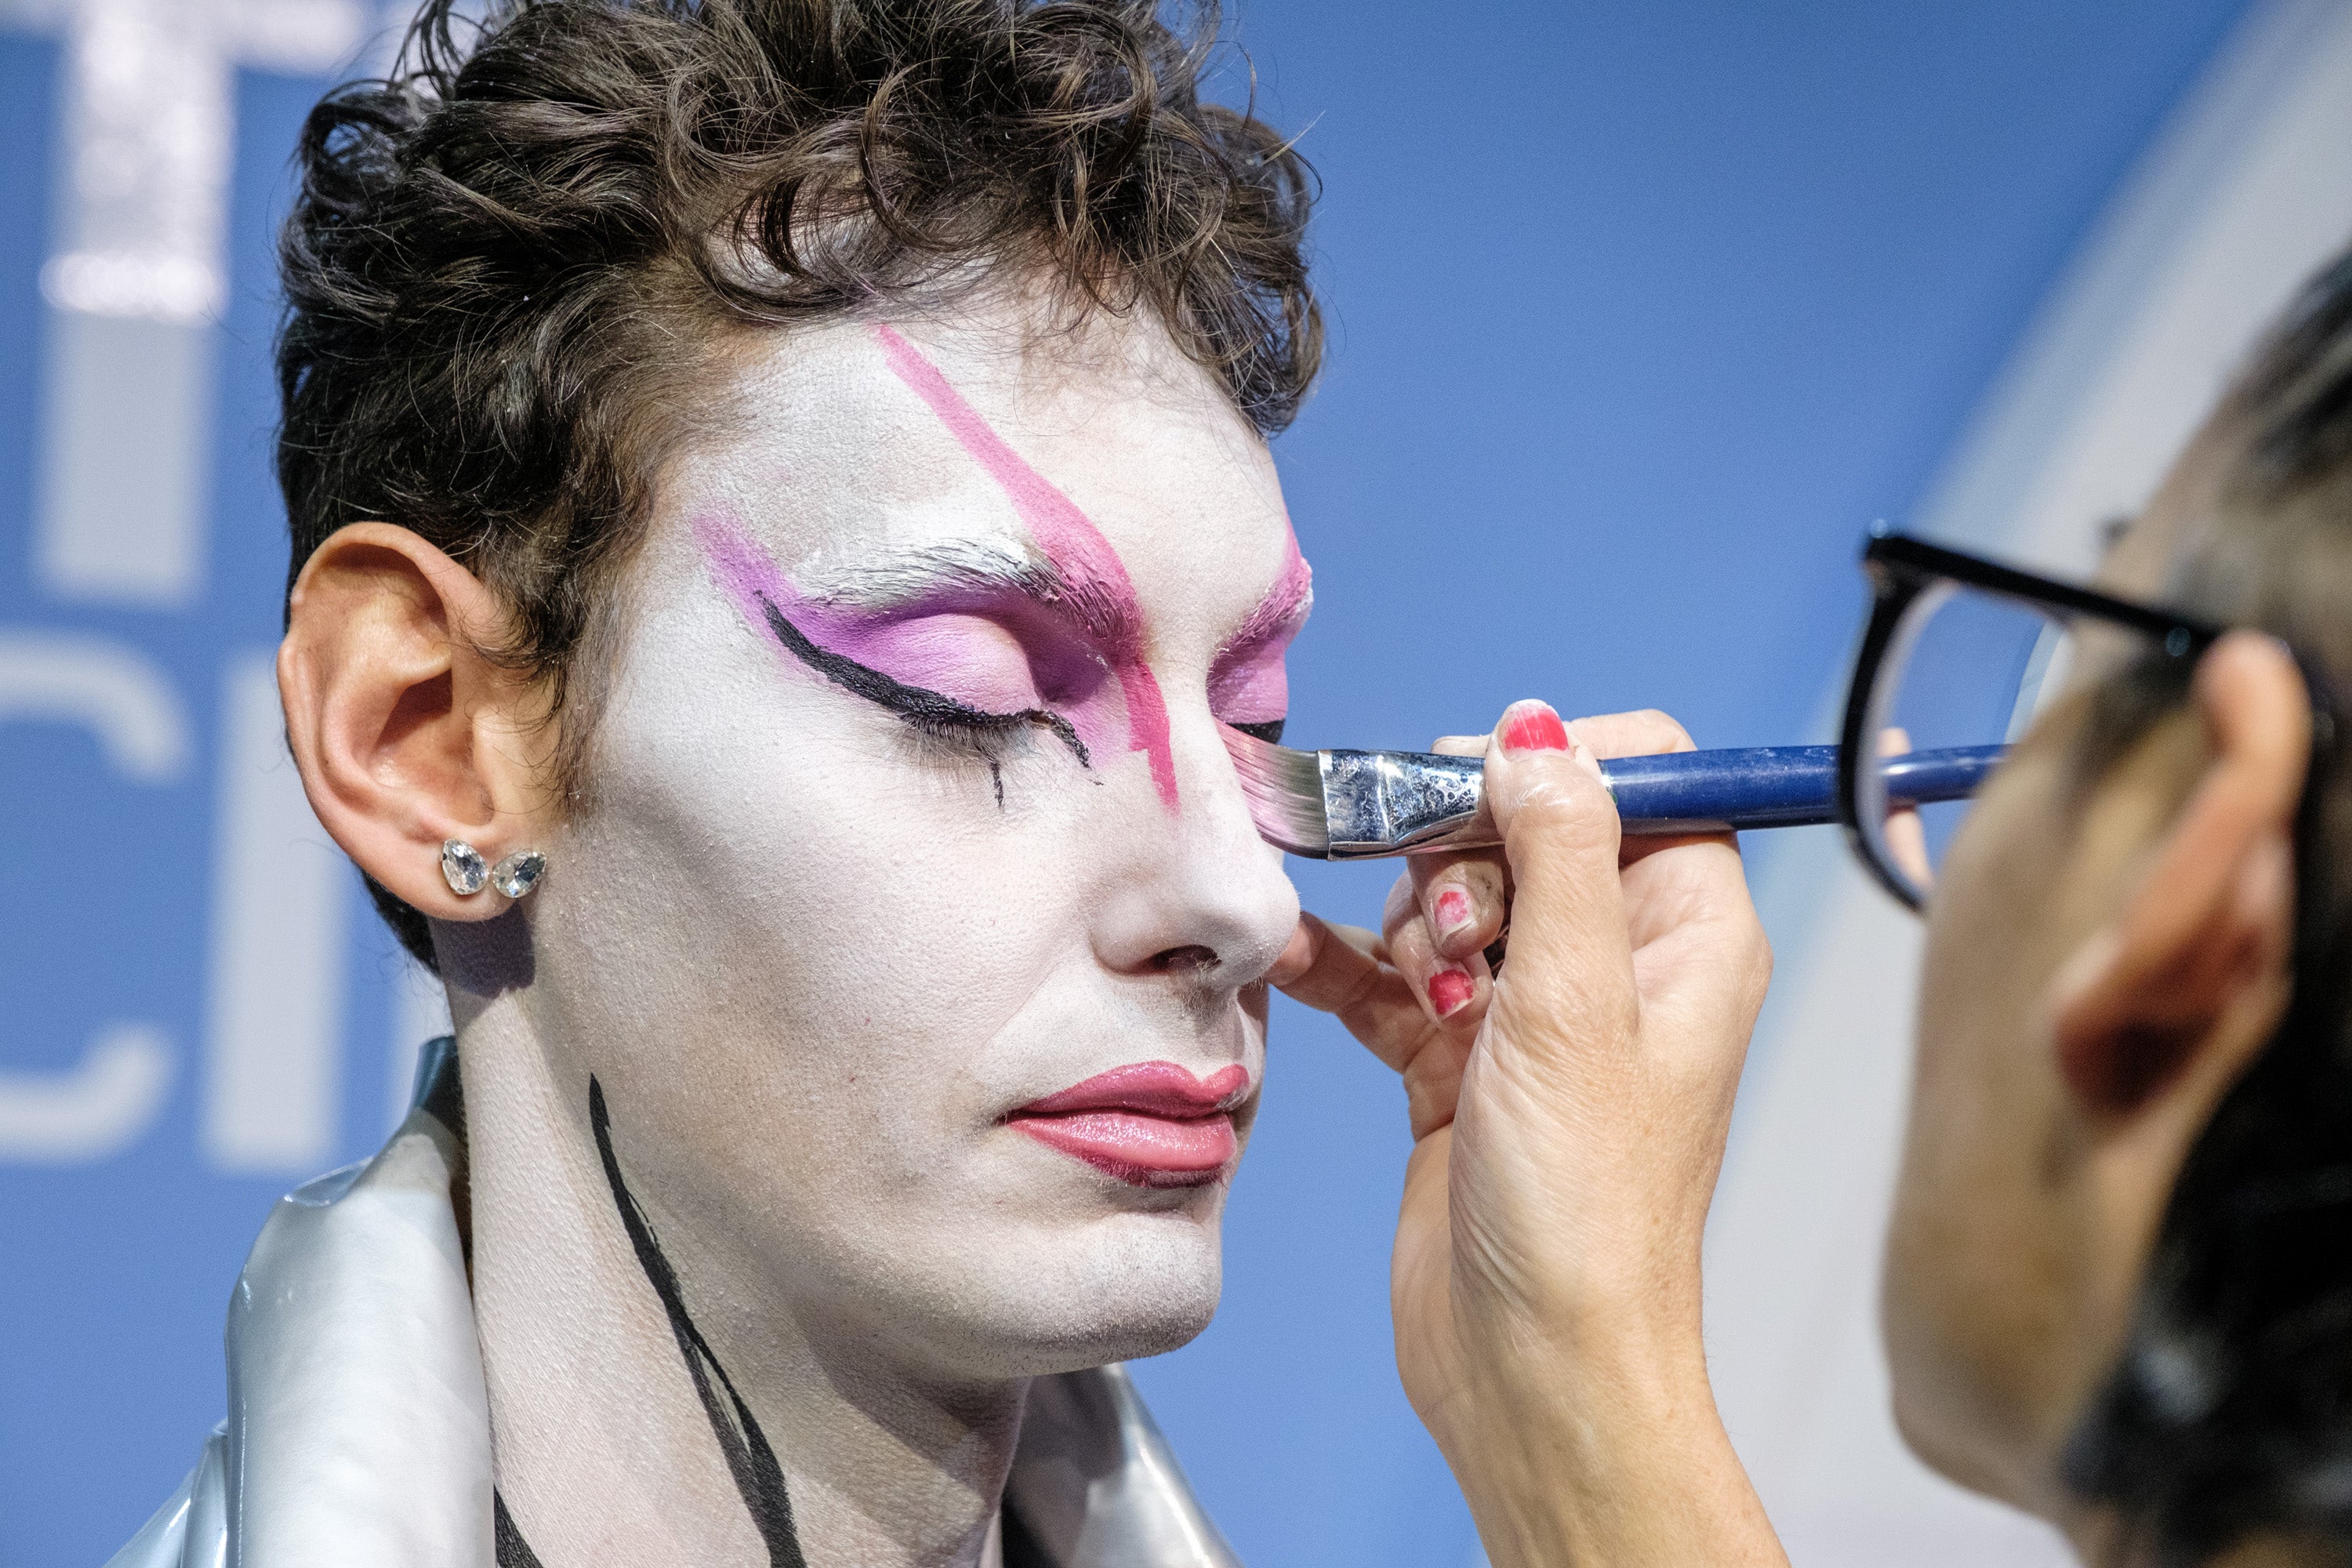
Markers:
point(1571, 954)
point(1327, 966)
point(1904, 836)
point(1462, 899)
point(1346, 974)
point(1296, 958)
point(1699, 951)
point(1433, 1079)
point(1452, 993)
point(1643, 732)
point(1464, 896)
point(1907, 845)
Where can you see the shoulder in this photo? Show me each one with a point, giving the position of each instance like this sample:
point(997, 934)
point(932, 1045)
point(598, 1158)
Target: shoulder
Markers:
point(191, 1530)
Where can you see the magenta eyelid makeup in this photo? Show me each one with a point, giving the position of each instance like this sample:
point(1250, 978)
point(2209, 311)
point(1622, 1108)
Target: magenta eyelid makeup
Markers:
point(940, 643)
point(1250, 682)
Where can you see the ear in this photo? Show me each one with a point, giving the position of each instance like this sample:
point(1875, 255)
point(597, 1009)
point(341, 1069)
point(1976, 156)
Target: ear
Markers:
point(2189, 981)
point(405, 734)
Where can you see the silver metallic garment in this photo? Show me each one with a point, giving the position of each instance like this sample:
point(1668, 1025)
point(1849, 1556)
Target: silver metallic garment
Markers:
point(358, 1430)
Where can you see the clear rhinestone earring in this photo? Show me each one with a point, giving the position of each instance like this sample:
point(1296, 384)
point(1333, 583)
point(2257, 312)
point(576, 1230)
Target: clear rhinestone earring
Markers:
point(463, 868)
point(519, 873)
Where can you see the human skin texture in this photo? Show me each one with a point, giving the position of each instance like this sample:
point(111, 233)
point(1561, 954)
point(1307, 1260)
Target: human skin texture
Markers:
point(928, 1028)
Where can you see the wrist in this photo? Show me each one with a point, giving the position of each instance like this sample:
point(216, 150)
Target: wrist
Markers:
point(1609, 1452)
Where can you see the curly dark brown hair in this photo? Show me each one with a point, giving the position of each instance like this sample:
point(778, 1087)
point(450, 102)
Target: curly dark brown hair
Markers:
point(510, 261)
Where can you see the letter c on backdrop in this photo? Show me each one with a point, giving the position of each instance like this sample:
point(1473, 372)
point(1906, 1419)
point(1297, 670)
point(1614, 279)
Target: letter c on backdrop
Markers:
point(102, 1105)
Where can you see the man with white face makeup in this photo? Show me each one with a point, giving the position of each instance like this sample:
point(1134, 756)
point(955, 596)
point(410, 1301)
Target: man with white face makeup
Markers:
point(787, 485)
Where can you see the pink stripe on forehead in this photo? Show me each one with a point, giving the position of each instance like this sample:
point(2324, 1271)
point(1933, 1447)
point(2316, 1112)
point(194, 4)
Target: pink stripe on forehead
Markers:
point(1069, 539)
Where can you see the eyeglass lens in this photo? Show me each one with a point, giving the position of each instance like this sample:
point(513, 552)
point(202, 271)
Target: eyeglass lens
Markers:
point(1963, 677)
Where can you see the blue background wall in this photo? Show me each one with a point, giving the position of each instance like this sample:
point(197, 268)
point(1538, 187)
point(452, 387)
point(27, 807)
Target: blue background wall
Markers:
point(1641, 314)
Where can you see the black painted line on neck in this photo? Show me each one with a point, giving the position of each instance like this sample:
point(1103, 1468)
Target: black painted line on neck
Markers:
point(758, 1477)
point(511, 1550)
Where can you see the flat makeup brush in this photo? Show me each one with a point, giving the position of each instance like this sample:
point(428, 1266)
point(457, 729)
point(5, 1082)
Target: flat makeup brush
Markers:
point(1361, 805)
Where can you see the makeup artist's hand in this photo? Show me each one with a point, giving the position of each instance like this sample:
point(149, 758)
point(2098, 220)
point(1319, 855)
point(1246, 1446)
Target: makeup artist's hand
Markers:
point(1568, 1117)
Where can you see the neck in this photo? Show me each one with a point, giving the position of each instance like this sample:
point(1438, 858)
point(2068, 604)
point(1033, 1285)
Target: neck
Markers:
point(652, 1404)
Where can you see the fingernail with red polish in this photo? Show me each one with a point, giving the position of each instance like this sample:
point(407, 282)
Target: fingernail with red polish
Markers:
point(1535, 727)
point(1453, 911)
point(1450, 991)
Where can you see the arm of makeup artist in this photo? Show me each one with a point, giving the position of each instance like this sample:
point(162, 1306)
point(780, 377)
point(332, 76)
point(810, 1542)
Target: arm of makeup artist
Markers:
point(1569, 1119)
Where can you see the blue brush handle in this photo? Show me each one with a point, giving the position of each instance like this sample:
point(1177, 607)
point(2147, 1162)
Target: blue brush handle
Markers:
point(1774, 786)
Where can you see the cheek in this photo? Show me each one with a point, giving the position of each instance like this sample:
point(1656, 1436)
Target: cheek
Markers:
point(760, 934)
point(1987, 958)
point(1973, 1245)
point(762, 848)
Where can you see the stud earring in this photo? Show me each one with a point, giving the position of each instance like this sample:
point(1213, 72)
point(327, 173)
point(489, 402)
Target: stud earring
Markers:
point(463, 868)
point(519, 873)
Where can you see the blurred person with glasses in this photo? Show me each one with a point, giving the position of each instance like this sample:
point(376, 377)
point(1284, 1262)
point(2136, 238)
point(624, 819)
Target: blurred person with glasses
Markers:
point(2118, 1280)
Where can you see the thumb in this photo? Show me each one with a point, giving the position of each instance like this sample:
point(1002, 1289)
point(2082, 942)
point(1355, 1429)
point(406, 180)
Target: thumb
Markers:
point(1571, 953)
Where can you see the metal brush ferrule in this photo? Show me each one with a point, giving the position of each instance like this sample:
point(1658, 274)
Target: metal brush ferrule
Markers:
point(1381, 803)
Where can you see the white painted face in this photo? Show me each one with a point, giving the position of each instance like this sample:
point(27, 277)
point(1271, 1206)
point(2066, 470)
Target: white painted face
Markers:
point(907, 812)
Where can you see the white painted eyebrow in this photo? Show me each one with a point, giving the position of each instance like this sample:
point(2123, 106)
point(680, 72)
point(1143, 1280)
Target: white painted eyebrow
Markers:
point(893, 578)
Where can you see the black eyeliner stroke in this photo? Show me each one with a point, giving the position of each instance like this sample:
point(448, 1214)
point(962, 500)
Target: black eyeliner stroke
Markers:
point(928, 708)
point(748, 1457)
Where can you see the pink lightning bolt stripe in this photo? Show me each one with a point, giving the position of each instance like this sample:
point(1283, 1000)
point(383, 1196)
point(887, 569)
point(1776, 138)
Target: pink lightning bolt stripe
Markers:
point(1076, 547)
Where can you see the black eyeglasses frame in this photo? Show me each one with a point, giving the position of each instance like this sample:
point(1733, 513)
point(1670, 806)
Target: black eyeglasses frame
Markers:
point(1902, 568)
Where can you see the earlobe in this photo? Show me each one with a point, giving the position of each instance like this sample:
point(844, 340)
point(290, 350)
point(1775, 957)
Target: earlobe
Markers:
point(2189, 978)
point(390, 709)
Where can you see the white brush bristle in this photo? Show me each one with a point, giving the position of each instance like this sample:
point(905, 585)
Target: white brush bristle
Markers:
point(1286, 792)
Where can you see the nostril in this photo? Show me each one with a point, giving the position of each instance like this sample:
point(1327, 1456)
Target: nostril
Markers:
point(1190, 959)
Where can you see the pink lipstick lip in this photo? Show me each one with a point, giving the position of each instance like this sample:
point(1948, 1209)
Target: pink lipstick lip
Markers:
point(1152, 1089)
point(1152, 1124)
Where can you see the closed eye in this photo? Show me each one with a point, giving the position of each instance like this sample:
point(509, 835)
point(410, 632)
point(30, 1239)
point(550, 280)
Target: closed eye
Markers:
point(930, 712)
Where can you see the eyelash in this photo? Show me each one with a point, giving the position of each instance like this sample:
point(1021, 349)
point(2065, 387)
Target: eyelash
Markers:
point(963, 733)
point(1266, 730)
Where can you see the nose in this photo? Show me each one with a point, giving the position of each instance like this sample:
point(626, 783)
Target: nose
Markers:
point(1200, 895)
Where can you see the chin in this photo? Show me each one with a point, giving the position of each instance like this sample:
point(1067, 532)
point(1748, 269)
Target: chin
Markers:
point(1116, 1289)
point(1957, 1451)
point(1945, 1401)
